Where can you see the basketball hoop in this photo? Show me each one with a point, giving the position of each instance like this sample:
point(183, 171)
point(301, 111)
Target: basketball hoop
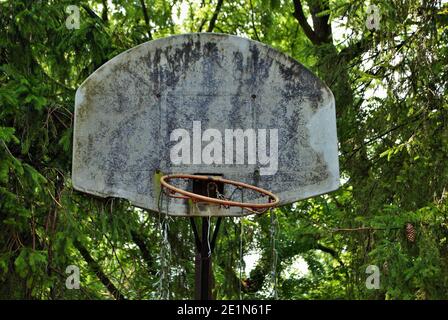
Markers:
point(178, 193)
point(141, 142)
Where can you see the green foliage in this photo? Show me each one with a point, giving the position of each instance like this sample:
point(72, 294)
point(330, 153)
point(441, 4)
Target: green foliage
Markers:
point(390, 87)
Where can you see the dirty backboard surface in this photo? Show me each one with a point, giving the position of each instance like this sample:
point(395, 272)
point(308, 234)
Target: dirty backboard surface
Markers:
point(149, 110)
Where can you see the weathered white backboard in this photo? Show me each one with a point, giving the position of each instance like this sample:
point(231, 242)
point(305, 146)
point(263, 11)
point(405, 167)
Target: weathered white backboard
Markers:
point(136, 114)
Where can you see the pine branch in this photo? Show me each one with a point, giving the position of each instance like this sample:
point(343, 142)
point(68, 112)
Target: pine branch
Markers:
point(253, 20)
point(97, 270)
point(105, 10)
point(381, 135)
point(322, 32)
point(356, 49)
point(330, 251)
point(300, 16)
point(203, 21)
point(321, 24)
point(146, 255)
point(91, 13)
point(362, 229)
point(211, 26)
point(146, 17)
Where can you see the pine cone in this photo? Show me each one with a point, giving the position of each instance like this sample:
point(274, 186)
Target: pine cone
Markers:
point(410, 232)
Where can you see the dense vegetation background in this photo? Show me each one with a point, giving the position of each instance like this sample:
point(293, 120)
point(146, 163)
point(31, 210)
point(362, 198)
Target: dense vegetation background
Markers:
point(391, 91)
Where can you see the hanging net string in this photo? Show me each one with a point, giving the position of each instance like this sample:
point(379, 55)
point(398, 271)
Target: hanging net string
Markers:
point(215, 187)
point(165, 249)
point(273, 234)
point(241, 230)
point(208, 236)
point(241, 238)
point(241, 258)
point(241, 244)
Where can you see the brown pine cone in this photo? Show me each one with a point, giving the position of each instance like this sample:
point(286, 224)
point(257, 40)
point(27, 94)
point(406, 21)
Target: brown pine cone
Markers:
point(410, 232)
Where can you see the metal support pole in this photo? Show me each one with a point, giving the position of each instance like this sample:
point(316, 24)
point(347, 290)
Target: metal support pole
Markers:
point(206, 263)
point(203, 259)
point(205, 244)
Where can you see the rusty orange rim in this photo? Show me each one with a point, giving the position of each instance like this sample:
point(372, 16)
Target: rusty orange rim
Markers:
point(178, 193)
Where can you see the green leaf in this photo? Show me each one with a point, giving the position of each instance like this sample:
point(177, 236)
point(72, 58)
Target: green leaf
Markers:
point(7, 135)
point(20, 264)
point(4, 170)
point(66, 140)
point(35, 176)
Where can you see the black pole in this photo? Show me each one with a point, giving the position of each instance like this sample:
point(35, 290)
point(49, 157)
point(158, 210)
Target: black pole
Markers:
point(205, 245)
point(203, 259)
point(203, 263)
point(206, 263)
point(215, 233)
